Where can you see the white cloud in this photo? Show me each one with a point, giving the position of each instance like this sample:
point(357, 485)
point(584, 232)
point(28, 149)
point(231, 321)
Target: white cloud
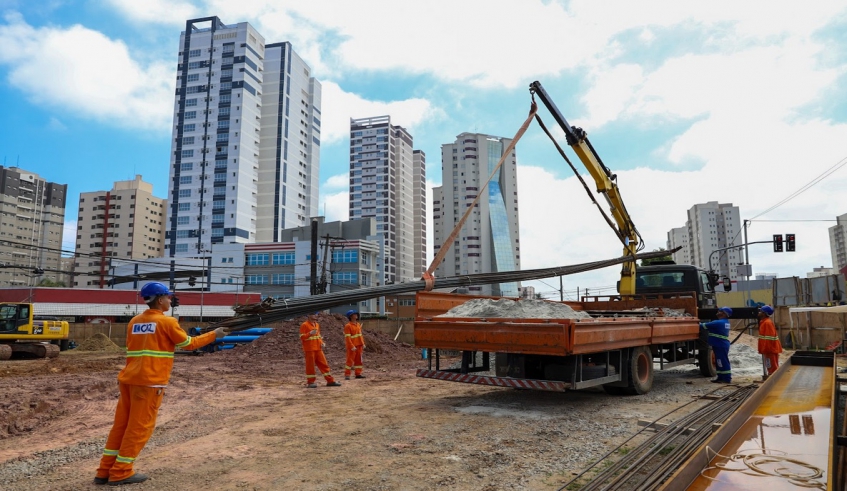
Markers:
point(492, 43)
point(56, 125)
point(81, 70)
point(335, 206)
point(171, 12)
point(560, 226)
point(338, 106)
point(337, 181)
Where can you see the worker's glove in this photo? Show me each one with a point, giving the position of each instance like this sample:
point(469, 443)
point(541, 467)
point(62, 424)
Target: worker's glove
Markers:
point(220, 332)
point(353, 348)
point(313, 332)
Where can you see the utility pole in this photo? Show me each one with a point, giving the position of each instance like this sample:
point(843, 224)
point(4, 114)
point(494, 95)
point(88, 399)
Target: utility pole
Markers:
point(561, 290)
point(746, 266)
point(313, 274)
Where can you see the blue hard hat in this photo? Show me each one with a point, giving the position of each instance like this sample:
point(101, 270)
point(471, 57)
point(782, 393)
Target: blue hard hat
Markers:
point(726, 310)
point(767, 309)
point(351, 312)
point(153, 289)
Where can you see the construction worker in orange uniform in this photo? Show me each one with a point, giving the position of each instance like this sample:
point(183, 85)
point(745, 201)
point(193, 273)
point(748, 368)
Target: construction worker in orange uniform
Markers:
point(355, 343)
point(310, 334)
point(769, 345)
point(151, 339)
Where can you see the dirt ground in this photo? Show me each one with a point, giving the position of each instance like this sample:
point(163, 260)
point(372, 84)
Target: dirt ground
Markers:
point(243, 419)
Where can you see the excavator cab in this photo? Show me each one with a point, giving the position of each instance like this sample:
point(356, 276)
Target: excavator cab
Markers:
point(13, 316)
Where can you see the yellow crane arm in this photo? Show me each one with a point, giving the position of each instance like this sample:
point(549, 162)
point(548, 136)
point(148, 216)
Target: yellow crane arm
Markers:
point(605, 181)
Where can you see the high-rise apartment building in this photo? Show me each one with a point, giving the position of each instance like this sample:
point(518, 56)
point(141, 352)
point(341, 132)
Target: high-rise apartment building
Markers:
point(127, 222)
point(489, 241)
point(32, 220)
point(838, 242)
point(388, 183)
point(246, 139)
point(711, 227)
point(678, 237)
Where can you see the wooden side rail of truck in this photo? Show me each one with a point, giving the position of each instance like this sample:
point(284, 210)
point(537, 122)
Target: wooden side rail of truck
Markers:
point(615, 348)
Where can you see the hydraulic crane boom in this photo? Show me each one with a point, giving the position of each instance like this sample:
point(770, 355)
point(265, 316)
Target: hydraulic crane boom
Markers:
point(605, 181)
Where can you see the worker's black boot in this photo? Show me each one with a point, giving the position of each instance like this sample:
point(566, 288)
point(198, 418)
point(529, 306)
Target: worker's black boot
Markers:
point(133, 479)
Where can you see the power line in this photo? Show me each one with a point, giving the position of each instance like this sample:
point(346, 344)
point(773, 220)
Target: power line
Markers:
point(841, 163)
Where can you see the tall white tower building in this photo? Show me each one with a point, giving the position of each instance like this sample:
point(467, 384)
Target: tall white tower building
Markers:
point(388, 183)
point(246, 139)
point(489, 241)
point(837, 242)
point(711, 227)
point(678, 237)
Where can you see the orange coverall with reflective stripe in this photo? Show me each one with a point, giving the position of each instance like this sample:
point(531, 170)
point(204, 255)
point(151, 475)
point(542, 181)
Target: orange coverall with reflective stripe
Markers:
point(353, 339)
point(769, 345)
point(312, 344)
point(151, 340)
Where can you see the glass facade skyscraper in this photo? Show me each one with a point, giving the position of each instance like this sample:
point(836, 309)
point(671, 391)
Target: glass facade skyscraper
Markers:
point(489, 241)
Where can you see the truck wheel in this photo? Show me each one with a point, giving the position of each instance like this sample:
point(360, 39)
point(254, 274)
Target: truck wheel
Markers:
point(639, 379)
point(706, 359)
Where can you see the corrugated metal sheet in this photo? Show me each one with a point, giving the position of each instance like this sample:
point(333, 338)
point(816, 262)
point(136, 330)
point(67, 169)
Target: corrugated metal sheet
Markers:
point(128, 310)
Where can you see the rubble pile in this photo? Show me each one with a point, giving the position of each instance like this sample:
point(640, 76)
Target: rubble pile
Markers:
point(510, 309)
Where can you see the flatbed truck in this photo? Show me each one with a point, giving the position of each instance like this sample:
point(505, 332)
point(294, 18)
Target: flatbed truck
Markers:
point(615, 348)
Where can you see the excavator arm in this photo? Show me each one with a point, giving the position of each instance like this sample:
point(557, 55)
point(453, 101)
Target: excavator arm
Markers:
point(605, 181)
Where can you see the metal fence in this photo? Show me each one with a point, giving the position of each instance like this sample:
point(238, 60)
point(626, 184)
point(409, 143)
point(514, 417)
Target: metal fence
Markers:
point(823, 290)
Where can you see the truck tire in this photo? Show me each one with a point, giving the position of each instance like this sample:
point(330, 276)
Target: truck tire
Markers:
point(706, 359)
point(639, 377)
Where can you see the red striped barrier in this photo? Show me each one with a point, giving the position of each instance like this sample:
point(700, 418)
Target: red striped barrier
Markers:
point(516, 383)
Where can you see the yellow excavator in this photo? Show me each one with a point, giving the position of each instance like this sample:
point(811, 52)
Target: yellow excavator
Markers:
point(24, 335)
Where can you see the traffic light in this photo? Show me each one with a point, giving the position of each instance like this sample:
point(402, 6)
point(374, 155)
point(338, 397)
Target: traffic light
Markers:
point(789, 242)
point(192, 281)
point(175, 301)
point(777, 242)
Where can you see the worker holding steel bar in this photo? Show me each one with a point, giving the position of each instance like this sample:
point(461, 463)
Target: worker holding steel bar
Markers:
point(151, 340)
point(719, 341)
point(355, 343)
point(310, 334)
point(769, 345)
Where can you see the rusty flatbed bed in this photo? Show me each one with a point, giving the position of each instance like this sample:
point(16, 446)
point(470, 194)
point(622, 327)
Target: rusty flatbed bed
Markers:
point(559, 337)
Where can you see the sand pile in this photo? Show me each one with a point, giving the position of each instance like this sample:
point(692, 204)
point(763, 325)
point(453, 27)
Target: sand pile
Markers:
point(506, 308)
point(98, 342)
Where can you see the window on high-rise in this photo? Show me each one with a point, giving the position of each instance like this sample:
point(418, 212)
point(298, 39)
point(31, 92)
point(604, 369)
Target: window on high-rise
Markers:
point(190, 114)
point(184, 206)
point(182, 220)
point(187, 153)
point(188, 127)
point(194, 53)
point(185, 179)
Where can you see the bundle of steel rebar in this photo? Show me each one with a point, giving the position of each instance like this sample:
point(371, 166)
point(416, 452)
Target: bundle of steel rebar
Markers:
point(256, 315)
point(647, 465)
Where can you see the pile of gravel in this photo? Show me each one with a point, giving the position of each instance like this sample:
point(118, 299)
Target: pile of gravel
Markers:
point(505, 308)
point(99, 342)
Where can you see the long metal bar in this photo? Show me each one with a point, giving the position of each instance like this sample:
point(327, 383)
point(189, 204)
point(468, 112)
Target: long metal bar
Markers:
point(271, 310)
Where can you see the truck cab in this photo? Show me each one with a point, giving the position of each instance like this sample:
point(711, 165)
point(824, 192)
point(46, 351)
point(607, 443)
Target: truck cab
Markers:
point(669, 277)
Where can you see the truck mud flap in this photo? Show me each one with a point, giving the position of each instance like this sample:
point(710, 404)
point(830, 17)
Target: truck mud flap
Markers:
point(549, 385)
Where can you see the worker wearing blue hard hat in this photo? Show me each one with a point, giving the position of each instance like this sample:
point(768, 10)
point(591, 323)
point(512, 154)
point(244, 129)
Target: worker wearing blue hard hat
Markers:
point(355, 343)
point(151, 340)
point(769, 345)
point(310, 335)
point(718, 339)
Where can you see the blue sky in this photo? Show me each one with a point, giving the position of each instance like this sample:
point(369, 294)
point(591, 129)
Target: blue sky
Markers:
point(687, 103)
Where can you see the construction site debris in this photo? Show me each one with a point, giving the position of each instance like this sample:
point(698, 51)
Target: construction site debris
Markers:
point(507, 309)
point(99, 342)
